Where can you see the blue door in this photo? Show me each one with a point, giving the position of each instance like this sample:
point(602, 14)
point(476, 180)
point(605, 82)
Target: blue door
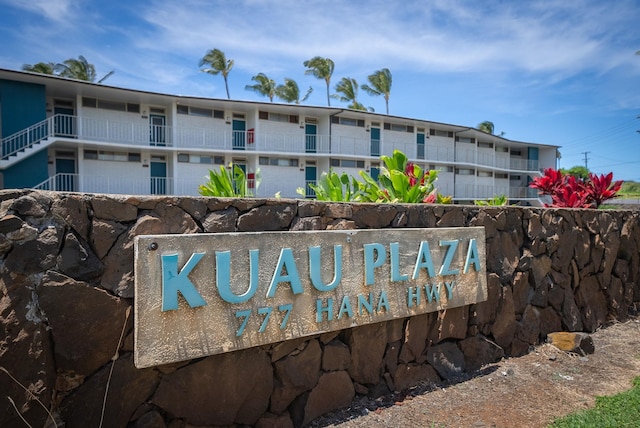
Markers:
point(375, 172)
point(533, 158)
point(239, 134)
point(158, 176)
point(310, 178)
point(375, 141)
point(157, 130)
point(65, 175)
point(63, 122)
point(420, 144)
point(310, 131)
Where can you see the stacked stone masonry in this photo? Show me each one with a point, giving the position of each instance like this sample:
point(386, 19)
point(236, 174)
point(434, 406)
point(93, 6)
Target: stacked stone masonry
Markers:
point(66, 295)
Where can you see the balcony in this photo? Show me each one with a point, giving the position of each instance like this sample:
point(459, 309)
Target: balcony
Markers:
point(140, 134)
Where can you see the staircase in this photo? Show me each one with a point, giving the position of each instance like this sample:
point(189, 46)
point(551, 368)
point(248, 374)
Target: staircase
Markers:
point(24, 143)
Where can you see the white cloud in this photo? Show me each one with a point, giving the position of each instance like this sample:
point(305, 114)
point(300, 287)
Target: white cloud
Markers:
point(55, 10)
point(545, 36)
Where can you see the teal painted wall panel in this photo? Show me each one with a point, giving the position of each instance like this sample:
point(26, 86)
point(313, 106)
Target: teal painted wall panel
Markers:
point(23, 105)
point(27, 173)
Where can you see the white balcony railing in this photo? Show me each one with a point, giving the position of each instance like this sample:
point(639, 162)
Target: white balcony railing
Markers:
point(143, 134)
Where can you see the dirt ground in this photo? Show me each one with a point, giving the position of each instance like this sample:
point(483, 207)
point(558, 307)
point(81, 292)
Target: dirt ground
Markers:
point(529, 391)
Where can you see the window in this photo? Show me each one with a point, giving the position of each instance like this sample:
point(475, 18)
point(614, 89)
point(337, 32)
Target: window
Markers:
point(109, 105)
point(448, 169)
point(89, 102)
point(156, 110)
point(112, 105)
point(398, 127)
point(278, 117)
point(483, 145)
point(134, 157)
point(502, 149)
point(263, 160)
point(466, 140)
point(347, 163)
point(202, 159)
point(200, 112)
point(111, 156)
point(347, 121)
point(485, 174)
point(516, 153)
point(465, 171)
point(501, 175)
point(440, 133)
point(515, 177)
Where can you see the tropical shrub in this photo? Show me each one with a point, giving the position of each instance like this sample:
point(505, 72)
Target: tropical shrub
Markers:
point(333, 187)
point(496, 201)
point(568, 191)
point(400, 181)
point(230, 183)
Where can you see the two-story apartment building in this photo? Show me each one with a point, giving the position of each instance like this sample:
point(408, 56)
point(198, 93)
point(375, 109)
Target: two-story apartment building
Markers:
point(63, 134)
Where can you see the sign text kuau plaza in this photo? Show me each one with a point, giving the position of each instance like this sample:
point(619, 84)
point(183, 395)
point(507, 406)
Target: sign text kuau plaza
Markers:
point(204, 294)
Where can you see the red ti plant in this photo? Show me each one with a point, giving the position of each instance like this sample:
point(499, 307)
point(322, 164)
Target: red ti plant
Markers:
point(568, 191)
point(549, 182)
point(601, 188)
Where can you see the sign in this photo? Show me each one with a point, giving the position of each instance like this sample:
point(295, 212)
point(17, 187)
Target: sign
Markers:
point(204, 294)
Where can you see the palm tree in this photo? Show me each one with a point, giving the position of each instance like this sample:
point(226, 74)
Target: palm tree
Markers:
point(41, 67)
point(264, 86)
point(348, 87)
point(320, 68)
point(80, 69)
point(380, 85)
point(486, 126)
point(289, 92)
point(219, 64)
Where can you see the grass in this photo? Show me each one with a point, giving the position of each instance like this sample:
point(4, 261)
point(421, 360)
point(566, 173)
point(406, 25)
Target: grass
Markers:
point(621, 410)
point(630, 189)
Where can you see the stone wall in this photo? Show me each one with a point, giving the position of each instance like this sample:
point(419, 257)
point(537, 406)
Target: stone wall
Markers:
point(66, 292)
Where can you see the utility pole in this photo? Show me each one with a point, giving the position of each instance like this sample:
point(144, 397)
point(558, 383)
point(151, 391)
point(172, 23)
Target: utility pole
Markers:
point(586, 160)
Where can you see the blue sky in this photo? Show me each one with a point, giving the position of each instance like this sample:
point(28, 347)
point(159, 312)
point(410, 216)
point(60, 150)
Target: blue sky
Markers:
point(551, 72)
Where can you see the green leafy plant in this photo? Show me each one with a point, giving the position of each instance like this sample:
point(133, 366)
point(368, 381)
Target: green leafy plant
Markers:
point(334, 187)
point(496, 201)
point(230, 183)
point(400, 181)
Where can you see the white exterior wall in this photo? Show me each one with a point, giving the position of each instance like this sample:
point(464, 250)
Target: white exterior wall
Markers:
point(547, 156)
point(438, 148)
point(398, 140)
point(277, 136)
point(113, 126)
point(350, 140)
point(283, 179)
point(501, 160)
point(114, 177)
point(444, 183)
point(205, 132)
point(486, 156)
point(188, 176)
